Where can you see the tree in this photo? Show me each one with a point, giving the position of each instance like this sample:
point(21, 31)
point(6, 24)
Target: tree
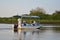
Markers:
point(56, 15)
point(38, 12)
point(16, 16)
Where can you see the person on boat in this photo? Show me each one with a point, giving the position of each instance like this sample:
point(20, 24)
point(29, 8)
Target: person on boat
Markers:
point(19, 22)
point(24, 23)
point(33, 23)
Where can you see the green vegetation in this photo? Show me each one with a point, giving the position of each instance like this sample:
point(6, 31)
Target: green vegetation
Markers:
point(44, 17)
point(56, 28)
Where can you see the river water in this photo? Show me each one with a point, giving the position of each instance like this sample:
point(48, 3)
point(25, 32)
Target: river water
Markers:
point(6, 33)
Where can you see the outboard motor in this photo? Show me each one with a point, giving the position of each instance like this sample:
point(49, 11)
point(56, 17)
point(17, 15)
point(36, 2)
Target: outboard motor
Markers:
point(15, 26)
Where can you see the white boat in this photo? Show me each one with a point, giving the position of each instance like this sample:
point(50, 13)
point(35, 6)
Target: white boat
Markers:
point(34, 25)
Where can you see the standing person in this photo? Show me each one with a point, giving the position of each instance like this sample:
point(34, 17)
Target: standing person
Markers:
point(19, 22)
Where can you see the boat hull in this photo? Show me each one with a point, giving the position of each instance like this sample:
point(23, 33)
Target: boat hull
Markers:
point(26, 27)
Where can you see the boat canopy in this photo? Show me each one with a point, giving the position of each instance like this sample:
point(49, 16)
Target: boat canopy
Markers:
point(30, 16)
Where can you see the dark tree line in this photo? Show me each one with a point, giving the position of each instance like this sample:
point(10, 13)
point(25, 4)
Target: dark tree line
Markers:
point(42, 14)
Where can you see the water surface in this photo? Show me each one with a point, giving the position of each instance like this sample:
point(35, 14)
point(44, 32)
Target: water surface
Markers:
point(9, 34)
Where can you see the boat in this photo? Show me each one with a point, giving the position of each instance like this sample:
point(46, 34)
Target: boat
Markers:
point(25, 25)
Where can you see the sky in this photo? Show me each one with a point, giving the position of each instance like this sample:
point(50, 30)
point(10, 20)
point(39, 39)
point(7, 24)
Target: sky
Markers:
point(10, 8)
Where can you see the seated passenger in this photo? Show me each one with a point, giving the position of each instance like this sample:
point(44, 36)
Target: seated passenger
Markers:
point(24, 22)
point(33, 23)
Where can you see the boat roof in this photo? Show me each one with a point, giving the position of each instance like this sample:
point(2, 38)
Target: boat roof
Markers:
point(31, 16)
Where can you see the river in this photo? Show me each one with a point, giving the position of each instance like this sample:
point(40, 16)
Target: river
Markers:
point(6, 33)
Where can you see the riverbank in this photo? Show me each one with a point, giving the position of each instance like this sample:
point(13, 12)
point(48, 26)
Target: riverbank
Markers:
point(14, 20)
point(40, 22)
point(50, 21)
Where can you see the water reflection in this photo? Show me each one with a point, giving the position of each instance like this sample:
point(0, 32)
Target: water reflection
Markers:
point(17, 34)
point(27, 34)
point(36, 35)
point(15, 31)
